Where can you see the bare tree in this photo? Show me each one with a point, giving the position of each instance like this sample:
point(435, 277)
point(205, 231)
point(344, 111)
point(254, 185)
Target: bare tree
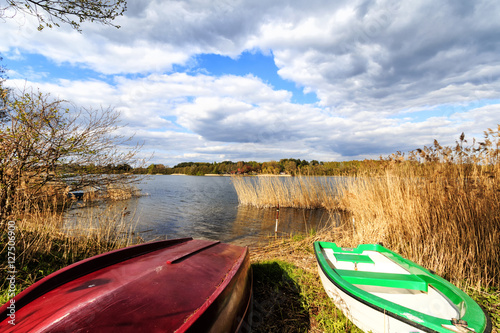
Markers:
point(39, 135)
point(3, 95)
point(73, 12)
point(42, 135)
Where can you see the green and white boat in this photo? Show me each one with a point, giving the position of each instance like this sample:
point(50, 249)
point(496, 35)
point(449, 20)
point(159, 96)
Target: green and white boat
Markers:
point(380, 291)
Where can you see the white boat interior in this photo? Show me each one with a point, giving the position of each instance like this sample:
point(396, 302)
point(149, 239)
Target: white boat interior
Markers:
point(431, 301)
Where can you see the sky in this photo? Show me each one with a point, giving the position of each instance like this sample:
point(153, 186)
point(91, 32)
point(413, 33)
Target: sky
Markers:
point(260, 80)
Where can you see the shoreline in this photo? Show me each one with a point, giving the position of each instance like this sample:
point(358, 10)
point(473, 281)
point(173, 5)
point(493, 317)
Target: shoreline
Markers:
point(228, 175)
point(285, 274)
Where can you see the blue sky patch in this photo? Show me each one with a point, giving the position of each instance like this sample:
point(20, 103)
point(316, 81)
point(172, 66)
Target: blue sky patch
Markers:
point(36, 67)
point(258, 65)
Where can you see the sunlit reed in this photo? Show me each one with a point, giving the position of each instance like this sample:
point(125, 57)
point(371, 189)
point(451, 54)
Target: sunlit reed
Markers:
point(294, 192)
point(438, 206)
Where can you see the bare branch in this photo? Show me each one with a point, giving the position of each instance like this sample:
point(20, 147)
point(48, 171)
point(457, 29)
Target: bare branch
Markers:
point(43, 141)
point(73, 12)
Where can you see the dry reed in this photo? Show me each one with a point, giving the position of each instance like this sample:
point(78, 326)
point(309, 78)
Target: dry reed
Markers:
point(89, 234)
point(44, 222)
point(447, 224)
point(438, 206)
point(45, 242)
point(294, 192)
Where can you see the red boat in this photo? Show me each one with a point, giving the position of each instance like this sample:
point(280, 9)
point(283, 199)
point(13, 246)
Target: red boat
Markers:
point(180, 285)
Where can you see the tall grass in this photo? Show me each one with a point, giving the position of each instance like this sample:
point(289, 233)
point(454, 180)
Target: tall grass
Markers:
point(294, 192)
point(451, 228)
point(45, 242)
point(438, 206)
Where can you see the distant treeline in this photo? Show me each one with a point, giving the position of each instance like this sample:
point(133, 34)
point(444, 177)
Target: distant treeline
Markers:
point(485, 154)
point(289, 166)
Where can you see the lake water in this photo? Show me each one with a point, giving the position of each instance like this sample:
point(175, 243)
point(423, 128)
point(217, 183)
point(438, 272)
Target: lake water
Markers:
point(207, 207)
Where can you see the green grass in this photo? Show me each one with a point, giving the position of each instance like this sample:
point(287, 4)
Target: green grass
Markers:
point(278, 303)
point(287, 267)
point(290, 299)
point(488, 299)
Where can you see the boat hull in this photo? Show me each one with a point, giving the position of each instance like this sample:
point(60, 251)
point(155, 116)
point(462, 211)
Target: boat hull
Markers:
point(180, 285)
point(372, 319)
point(380, 291)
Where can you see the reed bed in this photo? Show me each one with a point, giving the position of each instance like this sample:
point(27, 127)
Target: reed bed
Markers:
point(293, 192)
point(44, 243)
point(437, 206)
point(121, 192)
point(444, 226)
point(111, 192)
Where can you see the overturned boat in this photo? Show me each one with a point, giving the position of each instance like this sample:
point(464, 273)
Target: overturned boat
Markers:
point(180, 285)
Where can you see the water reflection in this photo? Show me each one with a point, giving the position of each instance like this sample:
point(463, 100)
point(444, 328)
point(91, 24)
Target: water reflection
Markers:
point(204, 207)
point(256, 225)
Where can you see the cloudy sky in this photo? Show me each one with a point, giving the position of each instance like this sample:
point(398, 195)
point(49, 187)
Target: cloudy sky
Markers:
point(215, 80)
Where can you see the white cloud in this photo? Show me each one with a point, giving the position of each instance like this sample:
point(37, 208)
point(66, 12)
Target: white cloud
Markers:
point(389, 75)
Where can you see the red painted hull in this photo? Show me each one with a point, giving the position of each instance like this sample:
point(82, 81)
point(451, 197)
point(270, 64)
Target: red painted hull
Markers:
point(179, 285)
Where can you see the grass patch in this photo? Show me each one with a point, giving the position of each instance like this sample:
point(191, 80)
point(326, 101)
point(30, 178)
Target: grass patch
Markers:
point(291, 298)
point(489, 300)
point(288, 294)
point(278, 303)
point(41, 246)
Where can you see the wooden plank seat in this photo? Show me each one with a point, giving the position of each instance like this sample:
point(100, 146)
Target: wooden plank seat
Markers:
point(392, 280)
point(357, 258)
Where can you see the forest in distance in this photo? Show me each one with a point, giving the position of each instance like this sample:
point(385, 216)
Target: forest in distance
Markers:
point(289, 166)
point(485, 154)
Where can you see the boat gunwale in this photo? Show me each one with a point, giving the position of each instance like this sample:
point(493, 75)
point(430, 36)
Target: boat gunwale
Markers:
point(390, 308)
point(236, 269)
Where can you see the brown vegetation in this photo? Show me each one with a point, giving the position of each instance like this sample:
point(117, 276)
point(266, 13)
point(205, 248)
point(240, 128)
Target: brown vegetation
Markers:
point(441, 212)
point(294, 192)
point(41, 138)
point(46, 240)
point(438, 206)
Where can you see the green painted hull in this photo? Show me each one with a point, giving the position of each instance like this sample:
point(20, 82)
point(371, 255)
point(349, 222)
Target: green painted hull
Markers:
point(373, 280)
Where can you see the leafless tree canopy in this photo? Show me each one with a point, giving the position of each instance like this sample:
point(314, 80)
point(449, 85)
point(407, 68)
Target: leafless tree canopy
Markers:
point(73, 12)
point(42, 137)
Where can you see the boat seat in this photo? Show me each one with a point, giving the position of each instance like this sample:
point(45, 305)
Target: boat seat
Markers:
point(393, 280)
point(358, 258)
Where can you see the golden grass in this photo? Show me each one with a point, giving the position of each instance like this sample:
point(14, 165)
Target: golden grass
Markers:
point(98, 230)
point(451, 228)
point(438, 206)
point(294, 192)
point(89, 234)
point(44, 242)
point(111, 192)
point(121, 192)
